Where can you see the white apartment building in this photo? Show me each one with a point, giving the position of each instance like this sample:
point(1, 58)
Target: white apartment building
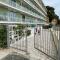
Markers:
point(27, 12)
point(22, 11)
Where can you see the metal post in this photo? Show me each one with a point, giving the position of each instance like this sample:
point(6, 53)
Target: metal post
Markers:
point(8, 42)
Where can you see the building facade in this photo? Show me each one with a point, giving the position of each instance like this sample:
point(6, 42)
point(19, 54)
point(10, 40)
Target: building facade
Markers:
point(22, 11)
point(27, 12)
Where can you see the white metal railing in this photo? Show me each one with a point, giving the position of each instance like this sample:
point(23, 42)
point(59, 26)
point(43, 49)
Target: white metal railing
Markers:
point(20, 43)
point(43, 41)
point(16, 19)
point(8, 18)
point(3, 18)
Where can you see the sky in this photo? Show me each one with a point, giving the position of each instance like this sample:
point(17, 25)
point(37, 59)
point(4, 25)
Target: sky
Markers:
point(55, 4)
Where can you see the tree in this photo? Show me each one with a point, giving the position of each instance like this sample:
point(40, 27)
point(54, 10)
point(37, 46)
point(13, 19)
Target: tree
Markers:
point(51, 13)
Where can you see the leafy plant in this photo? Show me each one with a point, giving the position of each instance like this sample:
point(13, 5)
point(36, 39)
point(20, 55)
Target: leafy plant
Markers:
point(28, 32)
point(21, 29)
point(51, 13)
point(3, 36)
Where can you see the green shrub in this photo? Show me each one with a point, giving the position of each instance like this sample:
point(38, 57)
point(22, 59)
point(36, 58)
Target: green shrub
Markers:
point(20, 32)
point(21, 27)
point(3, 36)
point(28, 32)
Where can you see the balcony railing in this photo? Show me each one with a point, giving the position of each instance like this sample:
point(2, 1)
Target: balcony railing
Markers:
point(3, 18)
point(17, 19)
point(8, 18)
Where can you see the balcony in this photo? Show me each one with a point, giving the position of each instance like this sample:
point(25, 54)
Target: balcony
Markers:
point(17, 7)
point(9, 19)
point(3, 18)
point(34, 7)
point(6, 18)
point(40, 6)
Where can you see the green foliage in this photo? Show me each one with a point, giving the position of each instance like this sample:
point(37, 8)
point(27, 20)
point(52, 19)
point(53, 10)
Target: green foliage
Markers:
point(20, 32)
point(21, 28)
point(28, 32)
point(3, 36)
point(51, 13)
